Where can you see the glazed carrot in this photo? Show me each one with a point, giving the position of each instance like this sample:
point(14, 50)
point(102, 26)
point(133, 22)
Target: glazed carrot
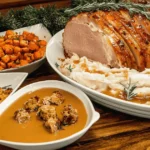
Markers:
point(1, 53)
point(25, 33)
point(23, 62)
point(17, 49)
point(9, 41)
point(29, 57)
point(21, 56)
point(42, 43)
point(42, 49)
point(35, 39)
point(11, 64)
point(33, 46)
point(10, 32)
point(25, 49)
point(30, 36)
point(2, 64)
point(2, 39)
point(38, 55)
point(1, 68)
point(5, 58)
point(16, 42)
point(23, 43)
point(14, 57)
point(21, 37)
point(2, 43)
point(8, 49)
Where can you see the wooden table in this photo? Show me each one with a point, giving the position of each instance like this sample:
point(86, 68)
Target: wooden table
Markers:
point(113, 131)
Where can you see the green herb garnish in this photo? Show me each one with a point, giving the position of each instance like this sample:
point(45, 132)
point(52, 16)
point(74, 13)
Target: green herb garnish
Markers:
point(55, 19)
point(111, 5)
point(56, 64)
point(70, 68)
point(129, 90)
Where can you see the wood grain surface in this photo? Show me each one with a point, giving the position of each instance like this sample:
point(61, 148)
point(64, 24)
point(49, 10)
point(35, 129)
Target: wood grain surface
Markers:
point(113, 131)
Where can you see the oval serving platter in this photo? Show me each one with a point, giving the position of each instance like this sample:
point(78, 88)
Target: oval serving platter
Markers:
point(55, 50)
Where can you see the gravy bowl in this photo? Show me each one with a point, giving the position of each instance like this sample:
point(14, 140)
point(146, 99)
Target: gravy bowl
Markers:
point(92, 115)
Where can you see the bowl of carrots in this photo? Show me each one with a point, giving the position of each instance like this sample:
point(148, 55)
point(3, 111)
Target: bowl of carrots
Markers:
point(23, 50)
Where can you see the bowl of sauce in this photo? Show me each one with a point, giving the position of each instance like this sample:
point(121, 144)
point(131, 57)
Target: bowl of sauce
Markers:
point(45, 115)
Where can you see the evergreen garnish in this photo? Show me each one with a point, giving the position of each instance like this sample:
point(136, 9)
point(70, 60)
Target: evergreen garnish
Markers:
point(55, 19)
point(70, 68)
point(129, 90)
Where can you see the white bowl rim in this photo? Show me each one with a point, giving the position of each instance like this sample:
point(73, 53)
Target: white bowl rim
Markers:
point(34, 62)
point(21, 67)
point(104, 96)
point(95, 116)
point(24, 76)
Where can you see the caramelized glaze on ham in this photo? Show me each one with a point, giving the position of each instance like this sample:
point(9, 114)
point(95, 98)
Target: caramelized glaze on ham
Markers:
point(110, 37)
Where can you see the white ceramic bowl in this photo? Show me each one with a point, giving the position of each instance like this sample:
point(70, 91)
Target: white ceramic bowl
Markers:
point(55, 50)
point(93, 116)
point(12, 79)
point(43, 34)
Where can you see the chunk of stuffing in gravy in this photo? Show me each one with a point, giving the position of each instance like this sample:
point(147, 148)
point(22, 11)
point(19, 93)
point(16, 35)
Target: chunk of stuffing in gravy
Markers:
point(22, 116)
point(46, 111)
point(32, 104)
point(55, 99)
point(52, 124)
point(70, 115)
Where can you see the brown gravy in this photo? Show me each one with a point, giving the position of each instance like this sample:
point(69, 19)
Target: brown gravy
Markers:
point(120, 95)
point(33, 131)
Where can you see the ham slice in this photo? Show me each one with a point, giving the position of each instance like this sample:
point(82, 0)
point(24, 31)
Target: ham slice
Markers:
point(84, 37)
point(111, 38)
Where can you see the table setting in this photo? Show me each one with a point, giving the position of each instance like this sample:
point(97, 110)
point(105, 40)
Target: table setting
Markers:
point(76, 77)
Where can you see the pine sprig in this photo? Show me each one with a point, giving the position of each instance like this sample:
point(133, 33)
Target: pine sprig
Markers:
point(132, 7)
point(75, 3)
point(52, 18)
point(49, 16)
point(55, 19)
point(20, 18)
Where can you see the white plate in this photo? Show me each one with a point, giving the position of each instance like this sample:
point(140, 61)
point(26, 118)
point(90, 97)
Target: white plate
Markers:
point(55, 51)
point(43, 34)
point(13, 79)
point(92, 115)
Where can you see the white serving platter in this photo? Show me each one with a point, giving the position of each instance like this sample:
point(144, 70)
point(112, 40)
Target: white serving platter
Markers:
point(55, 50)
point(43, 34)
point(12, 79)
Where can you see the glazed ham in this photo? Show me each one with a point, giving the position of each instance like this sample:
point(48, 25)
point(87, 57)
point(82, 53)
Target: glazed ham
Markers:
point(110, 37)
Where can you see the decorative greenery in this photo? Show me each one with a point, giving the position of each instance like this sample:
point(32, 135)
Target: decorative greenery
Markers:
point(56, 64)
point(70, 68)
point(55, 19)
point(75, 3)
point(49, 16)
point(132, 7)
point(129, 90)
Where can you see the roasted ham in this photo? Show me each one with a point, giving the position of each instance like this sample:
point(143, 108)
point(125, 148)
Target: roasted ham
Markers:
point(113, 38)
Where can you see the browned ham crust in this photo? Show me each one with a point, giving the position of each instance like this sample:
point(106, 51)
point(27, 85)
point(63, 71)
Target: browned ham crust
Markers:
point(110, 37)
